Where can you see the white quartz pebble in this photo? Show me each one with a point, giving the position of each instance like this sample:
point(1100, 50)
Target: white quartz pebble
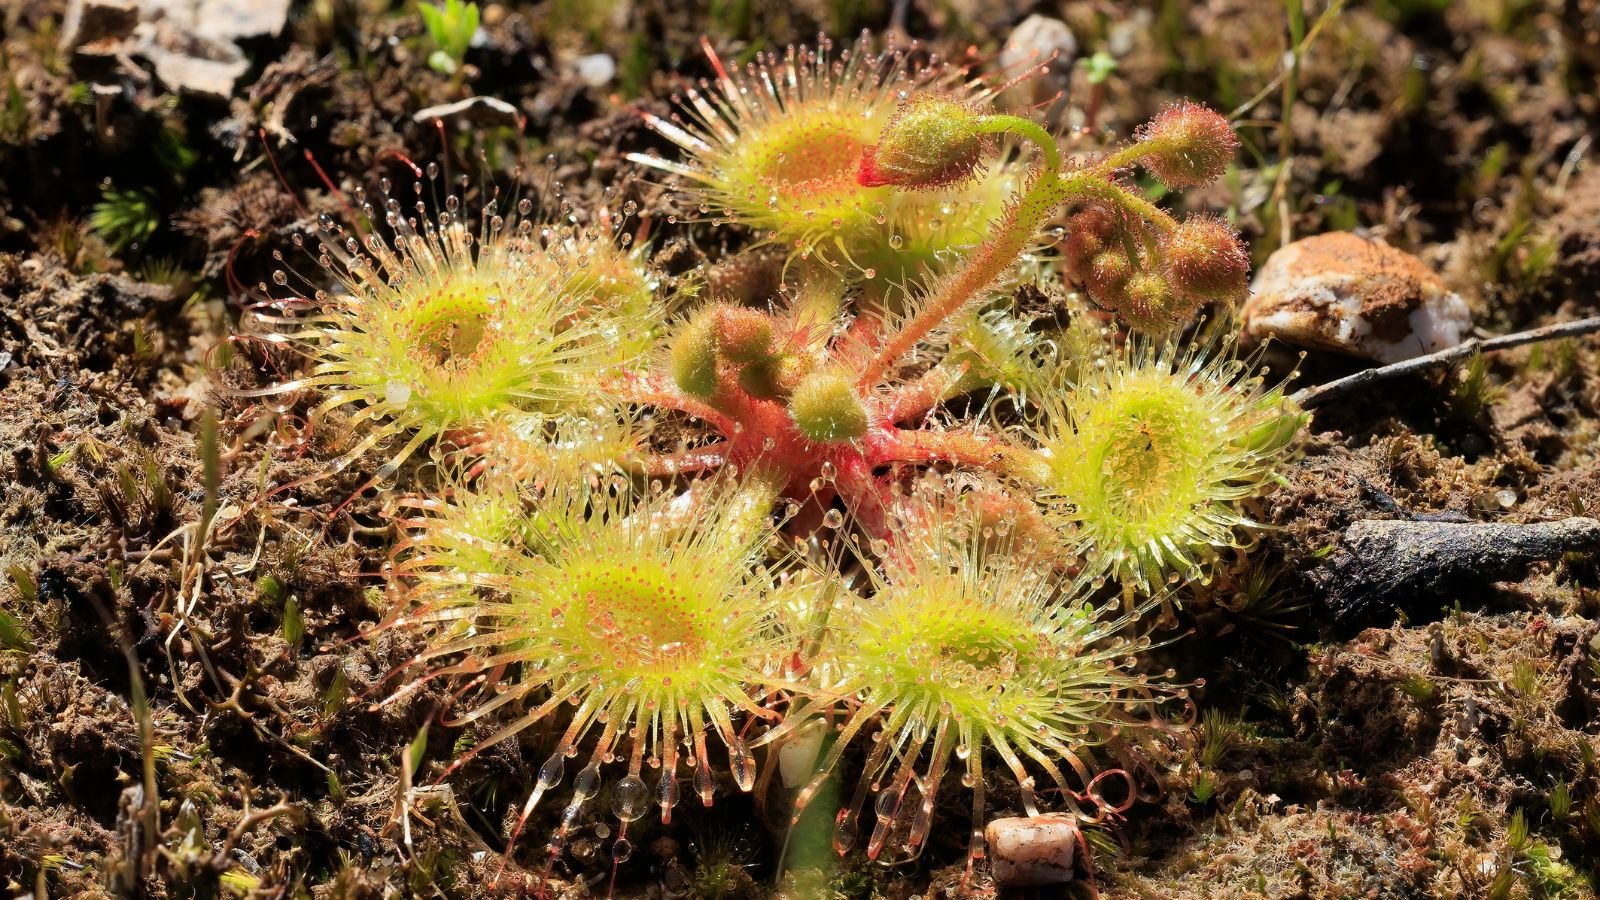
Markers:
point(1349, 294)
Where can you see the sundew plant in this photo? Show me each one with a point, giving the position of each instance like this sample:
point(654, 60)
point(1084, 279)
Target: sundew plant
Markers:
point(664, 538)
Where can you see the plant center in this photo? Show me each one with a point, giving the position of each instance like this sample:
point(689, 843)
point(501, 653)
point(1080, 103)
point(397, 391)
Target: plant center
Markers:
point(452, 324)
point(1149, 456)
point(811, 157)
point(639, 618)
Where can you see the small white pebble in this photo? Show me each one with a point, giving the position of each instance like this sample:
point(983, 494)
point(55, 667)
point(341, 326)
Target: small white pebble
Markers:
point(596, 69)
point(797, 758)
point(1035, 38)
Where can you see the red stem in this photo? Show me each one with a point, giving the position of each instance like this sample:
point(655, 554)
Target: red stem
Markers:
point(962, 448)
point(649, 390)
point(914, 399)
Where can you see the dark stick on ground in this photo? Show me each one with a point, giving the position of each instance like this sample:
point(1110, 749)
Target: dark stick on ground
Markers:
point(1423, 566)
point(1312, 397)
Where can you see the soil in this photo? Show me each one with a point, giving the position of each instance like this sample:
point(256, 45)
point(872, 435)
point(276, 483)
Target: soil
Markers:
point(1450, 752)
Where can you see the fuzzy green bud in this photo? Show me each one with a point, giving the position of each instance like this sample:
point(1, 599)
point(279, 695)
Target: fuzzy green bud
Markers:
point(1107, 275)
point(1088, 232)
point(825, 407)
point(692, 357)
point(1149, 304)
point(788, 369)
point(932, 142)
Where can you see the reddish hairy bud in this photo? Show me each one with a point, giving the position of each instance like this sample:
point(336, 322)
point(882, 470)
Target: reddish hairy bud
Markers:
point(1090, 231)
point(743, 335)
point(1149, 304)
point(1205, 260)
point(1187, 145)
point(931, 142)
point(1107, 275)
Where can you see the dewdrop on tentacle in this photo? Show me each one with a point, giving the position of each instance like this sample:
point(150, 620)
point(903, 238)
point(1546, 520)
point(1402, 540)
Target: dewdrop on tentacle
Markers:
point(442, 321)
point(777, 148)
point(964, 653)
point(656, 624)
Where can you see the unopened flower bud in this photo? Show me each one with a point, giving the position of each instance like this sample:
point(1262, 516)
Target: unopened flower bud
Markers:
point(1149, 304)
point(1205, 260)
point(1107, 275)
point(1090, 231)
point(692, 356)
point(931, 142)
point(743, 335)
point(1187, 144)
point(825, 407)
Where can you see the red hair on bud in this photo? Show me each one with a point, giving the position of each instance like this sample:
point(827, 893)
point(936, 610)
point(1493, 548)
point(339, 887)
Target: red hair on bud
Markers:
point(1090, 231)
point(1187, 145)
point(743, 335)
point(931, 142)
point(1204, 260)
point(1149, 304)
point(1107, 275)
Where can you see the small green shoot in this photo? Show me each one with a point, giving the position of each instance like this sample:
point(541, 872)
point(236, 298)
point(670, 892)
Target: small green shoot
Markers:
point(271, 588)
point(124, 219)
point(1561, 801)
point(11, 705)
point(451, 26)
point(12, 635)
point(1474, 392)
point(23, 579)
point(238, 882)
point(1100, 67)
point(338, 691)
point(294, 624)
point(1418, 688)
point(14, 126)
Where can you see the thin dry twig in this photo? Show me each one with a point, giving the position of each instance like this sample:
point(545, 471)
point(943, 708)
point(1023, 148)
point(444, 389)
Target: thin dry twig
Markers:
point(1312, 397)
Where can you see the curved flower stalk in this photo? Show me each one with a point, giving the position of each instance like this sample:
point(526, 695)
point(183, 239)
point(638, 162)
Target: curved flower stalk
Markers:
point(445, 326)
point(963, 650)
point(1143, 461)
point(842, 403)
point(1200, 259)
point(777, 147)
point(654, 617)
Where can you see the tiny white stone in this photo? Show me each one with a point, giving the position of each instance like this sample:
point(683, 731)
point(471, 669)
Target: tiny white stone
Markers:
point(1035, 38)
point(1346, 293)
point(596, 69)
point(797, 758)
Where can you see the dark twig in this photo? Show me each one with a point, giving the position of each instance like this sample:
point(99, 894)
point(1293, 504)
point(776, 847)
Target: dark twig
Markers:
point(1422, 566)
point(1312, 397)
